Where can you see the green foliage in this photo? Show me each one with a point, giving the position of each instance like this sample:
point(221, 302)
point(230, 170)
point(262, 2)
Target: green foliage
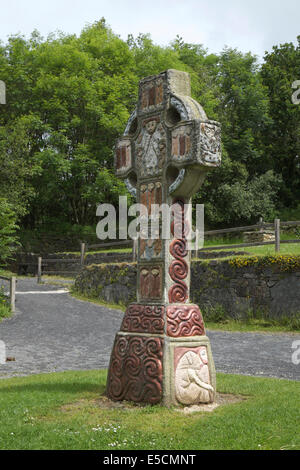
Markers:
point(8, 239)
point(283, 263)
point(217, 317)
point(5, 310)
point(74, 105)
point(69, 99)
point(280, 70)
point(242, 201)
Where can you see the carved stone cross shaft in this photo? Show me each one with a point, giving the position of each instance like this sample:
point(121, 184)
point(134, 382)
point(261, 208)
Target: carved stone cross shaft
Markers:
point(161, 353)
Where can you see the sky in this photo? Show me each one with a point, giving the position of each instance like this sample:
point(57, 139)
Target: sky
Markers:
point(248, 25)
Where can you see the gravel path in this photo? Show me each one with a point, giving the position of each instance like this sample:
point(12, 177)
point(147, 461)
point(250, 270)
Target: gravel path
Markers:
point(52, 331)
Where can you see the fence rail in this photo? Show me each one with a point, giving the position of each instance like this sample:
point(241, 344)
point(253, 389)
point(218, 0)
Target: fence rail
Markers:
point(44, 262)
point(12, 291)
point(261, 226)
point(84, 247)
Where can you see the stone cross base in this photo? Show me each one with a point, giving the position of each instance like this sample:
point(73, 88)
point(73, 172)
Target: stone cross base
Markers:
point(162, 355)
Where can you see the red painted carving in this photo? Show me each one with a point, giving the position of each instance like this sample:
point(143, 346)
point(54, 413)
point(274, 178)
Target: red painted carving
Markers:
point(159, 94)
point(184, 320)
point(182, 145)
point(178, 270)
point(144, 100)
point(151, 96)
point(118, 158)
point(123, 155)
point(150, 282)
point(144, 319)
point(136, 370)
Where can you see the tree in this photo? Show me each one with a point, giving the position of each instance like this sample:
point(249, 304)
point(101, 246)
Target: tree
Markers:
point(282, 141)
point(76, 93)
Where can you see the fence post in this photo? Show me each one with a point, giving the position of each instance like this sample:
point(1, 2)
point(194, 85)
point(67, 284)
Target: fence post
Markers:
point(134, 250)
point(13, 294)
point(39, 273)
point(196, 244)
point(261, 223)
point(277, 235)
point(82, 253)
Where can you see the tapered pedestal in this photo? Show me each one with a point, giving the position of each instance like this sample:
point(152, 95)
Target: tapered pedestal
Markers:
point(162, 355)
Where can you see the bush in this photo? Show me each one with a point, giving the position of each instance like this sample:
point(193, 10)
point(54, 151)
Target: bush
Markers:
point(4, 305)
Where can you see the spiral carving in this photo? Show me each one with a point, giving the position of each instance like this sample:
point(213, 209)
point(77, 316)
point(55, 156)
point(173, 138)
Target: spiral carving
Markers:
point(178, 293)
point(137, 374)
point(184, 320)
point(178, 249)
point(178, 270)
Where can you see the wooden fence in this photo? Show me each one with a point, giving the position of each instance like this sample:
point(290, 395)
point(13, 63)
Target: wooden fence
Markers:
point(12, 291)
point(260, 226)
point(79, 263)
point(43, 267)
point(84, 247)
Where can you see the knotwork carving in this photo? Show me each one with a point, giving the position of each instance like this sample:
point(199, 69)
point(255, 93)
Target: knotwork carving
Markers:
point(144, 319)
point(184, 320)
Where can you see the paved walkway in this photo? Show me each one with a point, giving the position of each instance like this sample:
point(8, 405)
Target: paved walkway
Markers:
point(52, 331)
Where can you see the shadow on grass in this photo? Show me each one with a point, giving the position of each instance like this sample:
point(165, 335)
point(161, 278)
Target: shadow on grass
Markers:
point(54, 388)
point(64, 382)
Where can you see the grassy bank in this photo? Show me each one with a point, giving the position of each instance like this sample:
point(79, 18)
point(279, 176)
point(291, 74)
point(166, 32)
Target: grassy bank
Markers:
point(214, 320)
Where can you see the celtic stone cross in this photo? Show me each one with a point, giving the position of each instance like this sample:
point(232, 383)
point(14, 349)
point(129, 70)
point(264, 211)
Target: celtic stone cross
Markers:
point(162, 354)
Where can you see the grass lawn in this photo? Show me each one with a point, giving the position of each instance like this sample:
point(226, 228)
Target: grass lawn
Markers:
point(290, 249)
point(5, 311)
point(285, 249)
point(251, 326)
point(61, 411)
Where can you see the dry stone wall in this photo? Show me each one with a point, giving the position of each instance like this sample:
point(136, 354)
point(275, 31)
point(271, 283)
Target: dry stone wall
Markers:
point(272, 288)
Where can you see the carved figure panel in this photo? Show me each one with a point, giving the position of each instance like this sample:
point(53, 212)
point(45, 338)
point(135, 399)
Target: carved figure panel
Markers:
point(150, 243)
point(150, 282)
point(192, 380)
point(151, 148)
point(182, 143)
